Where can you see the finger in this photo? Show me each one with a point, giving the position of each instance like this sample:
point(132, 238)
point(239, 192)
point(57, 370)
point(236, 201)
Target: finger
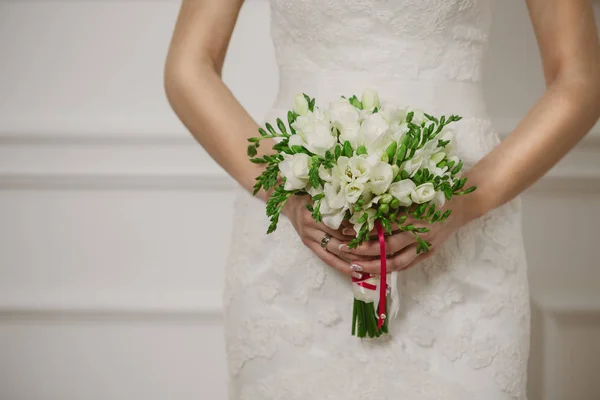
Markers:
point(394, 244)
point(334, 261)
point(334, 233)
point(335, 246)
point(396, 262)
point(417, 260)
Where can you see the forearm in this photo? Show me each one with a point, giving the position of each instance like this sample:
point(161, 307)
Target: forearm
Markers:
point(214, 117)
point(560, 119)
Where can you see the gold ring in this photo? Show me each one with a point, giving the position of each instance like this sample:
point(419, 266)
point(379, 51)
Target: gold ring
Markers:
point(325, 240)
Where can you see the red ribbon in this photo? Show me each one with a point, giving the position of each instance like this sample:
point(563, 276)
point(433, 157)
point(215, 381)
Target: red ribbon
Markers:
point(361, 281)
point(383, 275)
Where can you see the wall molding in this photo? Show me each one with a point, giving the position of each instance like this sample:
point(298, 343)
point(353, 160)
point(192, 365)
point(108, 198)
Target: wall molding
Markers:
point(203, 308)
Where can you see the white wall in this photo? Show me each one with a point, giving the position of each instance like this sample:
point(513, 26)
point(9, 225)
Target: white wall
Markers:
point(105, 238)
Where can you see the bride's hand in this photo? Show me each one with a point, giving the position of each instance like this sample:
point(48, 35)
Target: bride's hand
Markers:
point(312, 233)
point(401, 247)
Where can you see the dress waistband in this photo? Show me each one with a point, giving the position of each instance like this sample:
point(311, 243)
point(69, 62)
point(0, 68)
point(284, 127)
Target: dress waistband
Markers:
point(438, 97)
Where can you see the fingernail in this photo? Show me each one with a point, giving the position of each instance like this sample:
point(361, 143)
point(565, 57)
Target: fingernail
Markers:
point(344, 247)
point(348, 231)
point(357, 275)
point(356, 267)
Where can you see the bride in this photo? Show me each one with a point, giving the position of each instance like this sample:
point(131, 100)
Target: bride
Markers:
point(462, 331)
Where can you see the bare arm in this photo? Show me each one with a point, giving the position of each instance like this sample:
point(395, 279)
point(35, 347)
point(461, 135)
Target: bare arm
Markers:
point(568, 42)
point(196, 91)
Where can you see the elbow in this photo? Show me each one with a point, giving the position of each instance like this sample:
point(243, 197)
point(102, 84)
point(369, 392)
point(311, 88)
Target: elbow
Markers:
point(182, 76)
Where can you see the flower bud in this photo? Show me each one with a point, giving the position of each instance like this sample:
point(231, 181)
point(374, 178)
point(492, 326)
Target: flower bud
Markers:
point(384, 208)
point(386, 198)
point(300, 105)
point(370, 99)
point(395, 203)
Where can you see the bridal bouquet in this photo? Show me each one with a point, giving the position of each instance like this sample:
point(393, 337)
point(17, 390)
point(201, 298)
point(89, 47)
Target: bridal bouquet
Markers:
point(367, 164)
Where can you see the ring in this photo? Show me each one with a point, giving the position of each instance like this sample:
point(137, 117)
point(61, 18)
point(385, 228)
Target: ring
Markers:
point(325, 240)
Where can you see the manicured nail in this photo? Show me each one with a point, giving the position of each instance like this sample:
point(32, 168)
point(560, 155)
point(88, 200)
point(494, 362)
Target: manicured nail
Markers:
point(348, 231)
point(357, 275)
point(344, 247)
point(356, 268)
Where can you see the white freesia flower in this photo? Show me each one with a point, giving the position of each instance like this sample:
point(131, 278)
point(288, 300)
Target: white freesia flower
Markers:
point(381, 177)
point(372, 128)
point(423, 193)
point(403, 191)
point(334, 205)
point(370, 220)
point(412, 166)
point(393, 114)
point(448, 134)
point(353, 191)
point(313, 132)
point(418, 116)
point(370, 99)
point(439, 199)
point(355, 169)
point(300, 105)
point(346, 118)
point(438, 157)
point(431, 165)
point(429, 149)
point(294, 169)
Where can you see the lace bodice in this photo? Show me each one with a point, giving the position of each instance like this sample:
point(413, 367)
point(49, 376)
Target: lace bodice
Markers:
point(434, 39)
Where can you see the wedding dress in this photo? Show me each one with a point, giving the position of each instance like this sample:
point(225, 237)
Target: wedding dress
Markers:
point(463, 328)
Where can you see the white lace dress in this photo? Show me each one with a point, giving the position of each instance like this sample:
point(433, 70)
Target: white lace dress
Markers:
point(463, 328)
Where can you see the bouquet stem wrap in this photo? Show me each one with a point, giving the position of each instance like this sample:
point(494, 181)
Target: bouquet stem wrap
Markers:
point(367, 289)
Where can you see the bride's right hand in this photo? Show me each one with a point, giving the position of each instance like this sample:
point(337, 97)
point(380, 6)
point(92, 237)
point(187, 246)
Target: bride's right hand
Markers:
point(312, 233)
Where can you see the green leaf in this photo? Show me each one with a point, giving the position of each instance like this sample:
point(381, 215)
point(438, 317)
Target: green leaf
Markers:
point(355, 102)
point(467, 191)
point(348, 152)
point(297, 149)
point(446, 215)
point(391, 150)
point(459, 184)
point(252, 150)
point(338, 151)
point(271, 129)
point(458, 167)
point(360, 150)
point(404, 174)
point(436, 216)
point(448, 193)
point(262, 132)
point(281, 126)
point(410, 116)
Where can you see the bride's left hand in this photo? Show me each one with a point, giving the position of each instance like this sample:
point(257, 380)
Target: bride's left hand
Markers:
point(402, 246)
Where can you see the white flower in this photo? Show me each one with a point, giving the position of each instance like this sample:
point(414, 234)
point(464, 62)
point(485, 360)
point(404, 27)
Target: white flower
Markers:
point(439, 199)
point(313, 132)
point(346, 118)
point(370, 219)
point(403, 191)
point(334, 205)
point(423, 193)
point(353, 191)
point(355, 169)
point(373, 127)
point(370, 99)
point(428, 149)
point(393, 115)
point(437, 157)
point(300, 105)
point(294, 169)
point(418, 116)
point(381, 177)
point(412, 166)
point(448, 134)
